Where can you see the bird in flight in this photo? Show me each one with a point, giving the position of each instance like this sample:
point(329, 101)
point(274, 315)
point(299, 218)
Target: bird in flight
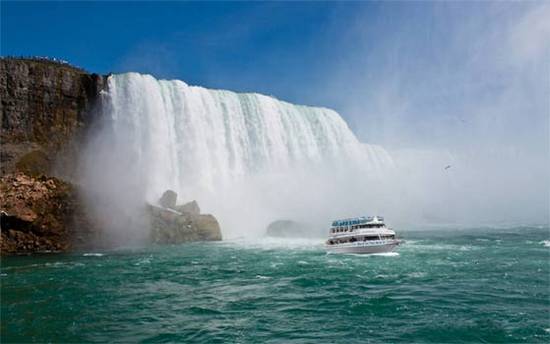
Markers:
point(447, 167)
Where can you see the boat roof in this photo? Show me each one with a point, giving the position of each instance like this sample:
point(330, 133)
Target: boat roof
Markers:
point(357, 220)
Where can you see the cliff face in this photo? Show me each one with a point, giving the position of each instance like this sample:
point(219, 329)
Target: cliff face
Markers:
point(46, 108)
point(41, 214)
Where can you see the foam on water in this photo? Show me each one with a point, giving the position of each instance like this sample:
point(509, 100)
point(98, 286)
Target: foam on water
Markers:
point(270, 243)
point(383, 254)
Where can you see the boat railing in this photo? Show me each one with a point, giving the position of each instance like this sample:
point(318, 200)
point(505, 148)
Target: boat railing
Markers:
point(364, 243)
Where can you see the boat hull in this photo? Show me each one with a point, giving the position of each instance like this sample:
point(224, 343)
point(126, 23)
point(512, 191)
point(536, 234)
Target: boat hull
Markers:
point(360, 248)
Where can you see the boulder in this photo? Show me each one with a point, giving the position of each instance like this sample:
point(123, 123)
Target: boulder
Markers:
point(170, 226)
point(207, 226)
point(168, 199)
point(191, 208)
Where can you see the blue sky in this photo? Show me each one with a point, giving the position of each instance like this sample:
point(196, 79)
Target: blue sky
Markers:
point(242, 46)
point(401, 73)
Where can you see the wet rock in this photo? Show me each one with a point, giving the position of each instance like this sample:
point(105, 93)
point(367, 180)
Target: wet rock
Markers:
point(189, 208)
point(171, 226)
point(168, 199)
point(207, 226)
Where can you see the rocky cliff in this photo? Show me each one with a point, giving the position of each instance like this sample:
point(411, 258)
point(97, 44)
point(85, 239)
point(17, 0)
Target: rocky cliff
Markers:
point(46, 108)
point(41, 214)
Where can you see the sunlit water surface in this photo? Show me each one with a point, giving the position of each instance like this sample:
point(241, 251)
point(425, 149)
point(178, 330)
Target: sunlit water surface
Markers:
point(482, 285)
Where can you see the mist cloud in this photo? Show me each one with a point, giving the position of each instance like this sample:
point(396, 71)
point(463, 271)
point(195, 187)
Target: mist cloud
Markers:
point(454, 84)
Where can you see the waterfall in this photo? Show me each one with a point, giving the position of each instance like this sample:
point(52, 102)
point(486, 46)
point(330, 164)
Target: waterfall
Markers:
point(211, 144)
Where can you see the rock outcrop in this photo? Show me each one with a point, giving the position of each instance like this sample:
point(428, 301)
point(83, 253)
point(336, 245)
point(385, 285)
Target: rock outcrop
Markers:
point(168, 199)
point(177, 224)
point(39, 214)
point(46, 108)
point(190, 208)
point(47, 111)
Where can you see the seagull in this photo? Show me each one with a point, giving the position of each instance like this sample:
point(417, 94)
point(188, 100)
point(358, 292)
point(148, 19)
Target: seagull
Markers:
point(447, 167)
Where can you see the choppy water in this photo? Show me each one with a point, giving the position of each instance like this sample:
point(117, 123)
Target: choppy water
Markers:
point(443, 286)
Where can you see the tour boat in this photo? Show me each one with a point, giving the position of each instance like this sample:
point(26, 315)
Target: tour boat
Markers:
point(362, 235)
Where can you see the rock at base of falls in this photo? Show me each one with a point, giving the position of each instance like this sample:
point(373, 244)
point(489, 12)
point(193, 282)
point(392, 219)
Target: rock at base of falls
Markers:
point(168, 199)
point(182, 223)
point(190, 208)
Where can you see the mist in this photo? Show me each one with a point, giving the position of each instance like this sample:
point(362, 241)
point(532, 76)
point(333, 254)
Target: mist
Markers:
point(249, 159)
point(112, 183)
point(447, 124)
point(465, 85)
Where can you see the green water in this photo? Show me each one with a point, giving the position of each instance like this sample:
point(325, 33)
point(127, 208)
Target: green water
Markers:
point(489, 285)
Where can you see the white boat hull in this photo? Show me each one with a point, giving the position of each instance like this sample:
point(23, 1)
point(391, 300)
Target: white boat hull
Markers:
point(381, 246)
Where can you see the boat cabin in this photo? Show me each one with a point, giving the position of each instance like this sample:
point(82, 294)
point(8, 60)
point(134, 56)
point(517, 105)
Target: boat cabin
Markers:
point(349, 225)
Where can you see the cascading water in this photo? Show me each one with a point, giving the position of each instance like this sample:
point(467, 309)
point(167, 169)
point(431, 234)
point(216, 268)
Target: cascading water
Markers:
point(237, 154)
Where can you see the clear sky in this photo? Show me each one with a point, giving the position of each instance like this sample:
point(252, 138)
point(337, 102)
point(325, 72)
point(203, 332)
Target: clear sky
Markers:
point(401, 73)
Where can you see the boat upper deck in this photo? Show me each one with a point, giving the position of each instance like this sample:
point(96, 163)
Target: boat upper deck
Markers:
point(358, 221)
point(365, 225)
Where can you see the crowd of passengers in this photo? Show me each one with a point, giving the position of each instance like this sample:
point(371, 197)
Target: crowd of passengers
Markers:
point(348, 229)
point(354, 239)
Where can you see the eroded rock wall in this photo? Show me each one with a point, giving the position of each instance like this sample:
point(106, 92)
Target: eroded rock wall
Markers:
point(45, 107)
point(41, 214)
point(47, 111)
